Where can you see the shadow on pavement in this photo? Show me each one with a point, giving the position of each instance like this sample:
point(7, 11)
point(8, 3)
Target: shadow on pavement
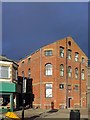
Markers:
point(53, 110)
point(32, 118)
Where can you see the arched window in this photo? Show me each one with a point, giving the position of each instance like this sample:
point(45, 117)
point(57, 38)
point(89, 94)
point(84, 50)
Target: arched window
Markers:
point(76, 73)
point(69, 71)
point(61, 51)
point(83, 60)
point(69, 54)
point(61, 70)
point(82, 74)
point(23, 74)
point(48, 69)
point(29, 73)
point(76, 56)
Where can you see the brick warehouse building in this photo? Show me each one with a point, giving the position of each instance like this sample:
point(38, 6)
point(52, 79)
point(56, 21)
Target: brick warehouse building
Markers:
point(57, 78)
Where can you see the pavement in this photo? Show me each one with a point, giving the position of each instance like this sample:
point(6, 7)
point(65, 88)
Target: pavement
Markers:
point(40, 114)
point(36, 114)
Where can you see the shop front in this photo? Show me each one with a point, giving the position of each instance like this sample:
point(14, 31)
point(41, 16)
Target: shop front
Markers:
point(7, 90)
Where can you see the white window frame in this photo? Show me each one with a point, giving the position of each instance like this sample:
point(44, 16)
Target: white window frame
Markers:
point(61, 52)
point(69, 71)
point(29, 73)
point(83, 60)
point(48, 69)
point(82, 74)
point(76, 56)
point(76, 73)
point(61, 70)
point(8, 72)
point(69, 54)
point(48, 90)
point(48, 52)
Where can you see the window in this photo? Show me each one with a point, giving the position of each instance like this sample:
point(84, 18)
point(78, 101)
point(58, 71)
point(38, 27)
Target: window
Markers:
point(48, 69)
point(29, 73)
point(61, 52)
point(48, 90)
point(69, 54)
point(69, 87)
point(23, 74)
point(4, 72)
point(4, 100)
point(76, 73)
point(76, 87)
point(61, 86)
point(69, 43)
point(61, 70)
point(82, 74)
point(82, 59)
point(69, 71)
point(29, 60)
point(48, 53)
point(22, 63)
point(76, 56)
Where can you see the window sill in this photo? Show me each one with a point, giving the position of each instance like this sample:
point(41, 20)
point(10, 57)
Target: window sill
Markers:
point(48, 75)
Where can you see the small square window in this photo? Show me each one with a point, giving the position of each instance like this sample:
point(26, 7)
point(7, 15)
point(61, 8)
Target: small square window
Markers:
point(61, 86)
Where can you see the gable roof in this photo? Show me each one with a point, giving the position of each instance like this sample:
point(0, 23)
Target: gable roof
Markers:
point(62, 39)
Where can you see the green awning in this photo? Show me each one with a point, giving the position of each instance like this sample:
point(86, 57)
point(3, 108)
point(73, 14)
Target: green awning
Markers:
point(7, 87)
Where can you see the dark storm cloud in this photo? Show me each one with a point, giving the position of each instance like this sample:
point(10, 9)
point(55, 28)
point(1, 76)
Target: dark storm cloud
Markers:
point(28, 26)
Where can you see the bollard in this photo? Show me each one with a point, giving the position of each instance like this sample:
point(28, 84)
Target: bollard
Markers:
point(72, 115)
point(75, 115)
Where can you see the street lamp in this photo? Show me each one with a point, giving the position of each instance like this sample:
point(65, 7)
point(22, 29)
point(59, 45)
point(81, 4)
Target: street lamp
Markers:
point(23, 95)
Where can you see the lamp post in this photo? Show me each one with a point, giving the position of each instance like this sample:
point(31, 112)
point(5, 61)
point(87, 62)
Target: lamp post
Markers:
point(23, 93)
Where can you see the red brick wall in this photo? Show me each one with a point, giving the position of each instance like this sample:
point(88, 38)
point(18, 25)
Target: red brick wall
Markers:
point(37, 66)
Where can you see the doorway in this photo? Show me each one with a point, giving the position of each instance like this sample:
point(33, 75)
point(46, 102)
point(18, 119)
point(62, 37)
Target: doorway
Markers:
point(69, 102)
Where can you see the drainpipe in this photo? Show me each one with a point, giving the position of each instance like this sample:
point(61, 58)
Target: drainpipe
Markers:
point(80, 85)
point(66, 76)
point(40, 78)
